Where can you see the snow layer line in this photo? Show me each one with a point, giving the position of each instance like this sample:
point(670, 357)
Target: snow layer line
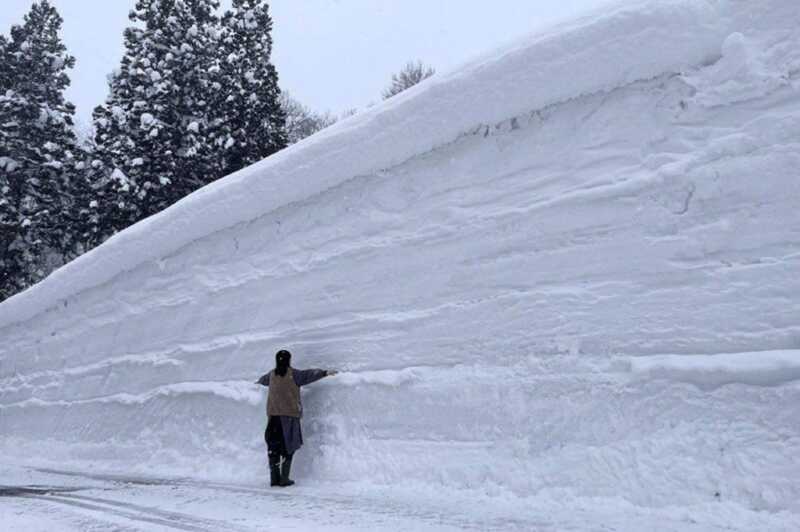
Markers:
point(766, 368)
point(231, 390)
point(633, 41)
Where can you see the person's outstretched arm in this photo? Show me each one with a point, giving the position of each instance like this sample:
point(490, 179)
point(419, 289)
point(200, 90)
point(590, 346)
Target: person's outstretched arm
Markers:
point(307, 376)
point(264, 380)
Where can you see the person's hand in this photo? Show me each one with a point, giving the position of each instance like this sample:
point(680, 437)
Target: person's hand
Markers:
point(330, 372)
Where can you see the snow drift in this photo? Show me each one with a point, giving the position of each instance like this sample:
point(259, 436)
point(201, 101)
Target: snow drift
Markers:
point(499, 259)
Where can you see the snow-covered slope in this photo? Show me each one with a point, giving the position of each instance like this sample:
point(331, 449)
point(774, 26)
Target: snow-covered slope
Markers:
point(531, 270)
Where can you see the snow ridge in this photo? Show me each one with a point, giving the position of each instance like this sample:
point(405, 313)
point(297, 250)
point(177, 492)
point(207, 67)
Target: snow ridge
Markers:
point(231, 390)
point(767, 368)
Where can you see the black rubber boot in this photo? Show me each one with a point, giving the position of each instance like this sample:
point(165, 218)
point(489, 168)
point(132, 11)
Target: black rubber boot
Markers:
point(286, 469)
point(274, 469)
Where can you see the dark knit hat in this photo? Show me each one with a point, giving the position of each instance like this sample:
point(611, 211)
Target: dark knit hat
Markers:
point(283, 359)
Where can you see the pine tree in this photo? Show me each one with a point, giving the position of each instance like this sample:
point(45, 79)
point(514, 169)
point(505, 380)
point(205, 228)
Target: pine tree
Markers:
point(152, 133)
point(38, 149)
point(249, 121)
point(80, 210)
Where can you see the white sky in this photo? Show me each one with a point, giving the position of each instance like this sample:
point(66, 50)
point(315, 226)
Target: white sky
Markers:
point(330, 54)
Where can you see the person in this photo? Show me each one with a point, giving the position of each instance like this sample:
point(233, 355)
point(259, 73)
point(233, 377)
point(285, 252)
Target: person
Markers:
point(284, 410)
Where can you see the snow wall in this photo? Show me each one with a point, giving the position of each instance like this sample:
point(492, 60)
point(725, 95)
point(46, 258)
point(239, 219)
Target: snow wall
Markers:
point(571, 267)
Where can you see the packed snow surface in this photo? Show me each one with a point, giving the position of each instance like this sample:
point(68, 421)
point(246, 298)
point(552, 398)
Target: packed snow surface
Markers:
point(561, 284)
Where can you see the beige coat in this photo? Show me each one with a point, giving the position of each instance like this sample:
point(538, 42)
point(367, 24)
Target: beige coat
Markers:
point(284, 395)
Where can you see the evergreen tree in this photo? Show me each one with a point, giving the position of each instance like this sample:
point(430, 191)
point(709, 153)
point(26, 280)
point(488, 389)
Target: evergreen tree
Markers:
point(38, 150)
point(80, 208)
point(249, 121)
point(152, 143)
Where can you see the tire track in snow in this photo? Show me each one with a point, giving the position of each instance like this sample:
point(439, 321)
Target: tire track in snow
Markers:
point(133, 512)
point(325, 509)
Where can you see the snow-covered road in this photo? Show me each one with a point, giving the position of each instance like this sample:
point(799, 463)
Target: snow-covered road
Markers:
point(48, 499)
point(39, 500)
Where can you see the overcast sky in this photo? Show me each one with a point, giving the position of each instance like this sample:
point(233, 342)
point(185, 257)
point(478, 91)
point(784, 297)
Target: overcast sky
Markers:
point(330, 54)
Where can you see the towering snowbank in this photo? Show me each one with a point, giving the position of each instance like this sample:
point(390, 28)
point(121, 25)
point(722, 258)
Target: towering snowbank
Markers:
point(499, 259)
point(635, 41)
